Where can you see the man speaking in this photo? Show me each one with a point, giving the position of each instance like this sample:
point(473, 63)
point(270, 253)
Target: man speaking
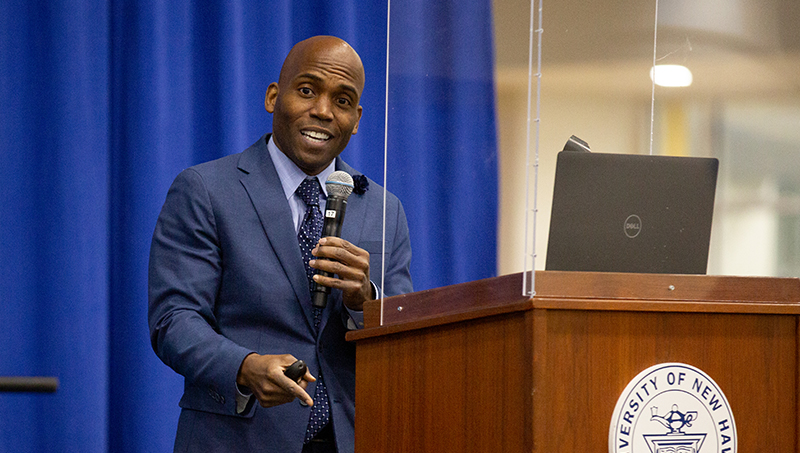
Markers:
point(234, 257)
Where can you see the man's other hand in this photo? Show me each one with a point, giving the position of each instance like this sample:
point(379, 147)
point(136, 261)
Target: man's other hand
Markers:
point(263, 375)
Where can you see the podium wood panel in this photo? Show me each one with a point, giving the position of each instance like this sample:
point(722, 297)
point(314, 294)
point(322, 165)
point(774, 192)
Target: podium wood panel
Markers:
point(435, 391)
point(590, 356)
point(479, 368)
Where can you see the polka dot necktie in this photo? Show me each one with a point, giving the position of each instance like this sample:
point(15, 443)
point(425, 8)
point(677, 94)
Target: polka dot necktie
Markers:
point(307, 237)
point(311, 228)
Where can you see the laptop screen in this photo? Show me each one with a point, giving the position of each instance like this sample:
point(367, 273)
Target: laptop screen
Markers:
point(631, 213)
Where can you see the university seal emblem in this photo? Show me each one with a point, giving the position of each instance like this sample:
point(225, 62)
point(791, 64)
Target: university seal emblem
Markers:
point(672, 408)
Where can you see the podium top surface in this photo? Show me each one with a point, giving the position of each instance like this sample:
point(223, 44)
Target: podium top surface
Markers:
point(561, 290)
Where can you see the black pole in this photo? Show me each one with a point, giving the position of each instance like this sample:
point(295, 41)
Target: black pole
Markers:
point(33, 384)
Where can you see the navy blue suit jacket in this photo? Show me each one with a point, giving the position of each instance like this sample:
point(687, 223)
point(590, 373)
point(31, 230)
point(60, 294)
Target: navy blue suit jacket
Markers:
point(226, 279)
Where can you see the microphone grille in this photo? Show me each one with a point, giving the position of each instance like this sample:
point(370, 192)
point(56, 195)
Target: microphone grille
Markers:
point(339, 184)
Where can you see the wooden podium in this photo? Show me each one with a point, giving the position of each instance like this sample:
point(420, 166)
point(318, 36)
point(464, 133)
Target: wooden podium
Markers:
point(477, 367)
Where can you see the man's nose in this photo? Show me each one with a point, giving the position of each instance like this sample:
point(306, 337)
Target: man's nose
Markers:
point(323, 108)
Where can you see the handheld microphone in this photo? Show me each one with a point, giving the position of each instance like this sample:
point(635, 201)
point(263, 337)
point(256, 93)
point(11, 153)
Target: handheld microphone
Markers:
point(339, 186)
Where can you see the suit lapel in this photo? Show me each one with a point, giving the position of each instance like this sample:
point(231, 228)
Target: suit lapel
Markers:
point(260, 180)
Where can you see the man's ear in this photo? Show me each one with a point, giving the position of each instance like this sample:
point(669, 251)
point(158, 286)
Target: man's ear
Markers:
point(360, 110)
point(271, 97)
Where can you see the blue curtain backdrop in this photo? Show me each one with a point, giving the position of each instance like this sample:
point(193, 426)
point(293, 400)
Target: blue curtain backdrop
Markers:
point(103, 103)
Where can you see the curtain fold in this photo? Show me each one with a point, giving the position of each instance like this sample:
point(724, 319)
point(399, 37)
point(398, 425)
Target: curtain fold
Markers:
point(105, 102)
point(54, 222)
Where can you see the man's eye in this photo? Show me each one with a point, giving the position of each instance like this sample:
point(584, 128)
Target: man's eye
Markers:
point(343, 101)
point(305, 91)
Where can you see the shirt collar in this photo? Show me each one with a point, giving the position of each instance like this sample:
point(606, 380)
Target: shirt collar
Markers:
point(290, 174)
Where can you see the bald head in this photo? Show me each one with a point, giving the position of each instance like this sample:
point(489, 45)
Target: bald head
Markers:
point(315, 103)
point(335, 51)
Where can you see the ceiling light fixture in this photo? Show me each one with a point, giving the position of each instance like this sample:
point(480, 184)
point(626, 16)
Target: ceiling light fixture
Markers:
point(671, 75)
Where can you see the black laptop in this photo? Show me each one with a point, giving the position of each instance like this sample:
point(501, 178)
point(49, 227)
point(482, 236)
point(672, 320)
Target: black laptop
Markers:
point(631, 213)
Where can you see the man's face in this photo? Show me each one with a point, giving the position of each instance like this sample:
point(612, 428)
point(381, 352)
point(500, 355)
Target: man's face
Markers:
point(315, 102)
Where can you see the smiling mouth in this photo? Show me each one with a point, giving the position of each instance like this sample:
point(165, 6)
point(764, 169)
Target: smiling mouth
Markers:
point(317, 137)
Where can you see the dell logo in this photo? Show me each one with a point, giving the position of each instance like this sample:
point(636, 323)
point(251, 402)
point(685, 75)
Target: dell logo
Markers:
point(633, 226)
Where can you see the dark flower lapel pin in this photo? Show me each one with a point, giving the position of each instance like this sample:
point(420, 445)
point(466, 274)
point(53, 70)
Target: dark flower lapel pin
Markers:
point(361, 184)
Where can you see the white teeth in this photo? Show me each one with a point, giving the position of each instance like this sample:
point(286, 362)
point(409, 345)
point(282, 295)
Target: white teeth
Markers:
point(316, 135)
